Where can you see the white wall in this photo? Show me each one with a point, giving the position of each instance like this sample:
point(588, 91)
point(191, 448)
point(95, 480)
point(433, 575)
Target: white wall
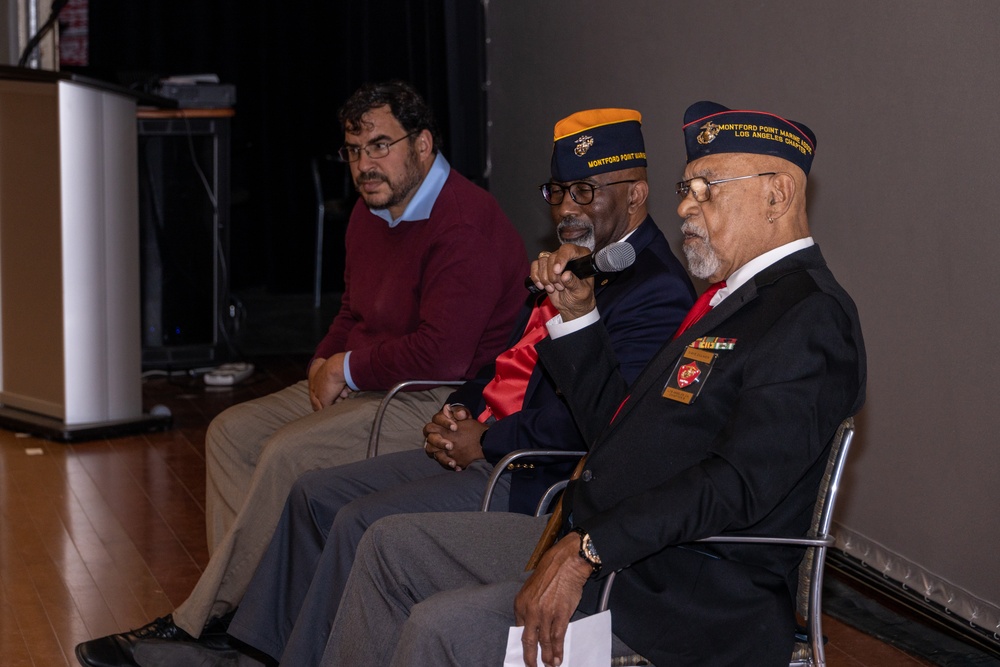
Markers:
point(905, 203)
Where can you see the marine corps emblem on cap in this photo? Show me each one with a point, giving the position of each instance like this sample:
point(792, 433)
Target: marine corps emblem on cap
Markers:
point(712, 129)
point(583, 144)
point(709, 131)
point(597, 141)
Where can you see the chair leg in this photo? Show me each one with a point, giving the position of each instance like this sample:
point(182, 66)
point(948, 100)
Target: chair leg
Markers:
point(318, 270)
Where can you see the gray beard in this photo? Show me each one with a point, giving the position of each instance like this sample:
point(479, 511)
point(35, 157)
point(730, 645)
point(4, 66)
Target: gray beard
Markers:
point(586, 241)
point(702, 260)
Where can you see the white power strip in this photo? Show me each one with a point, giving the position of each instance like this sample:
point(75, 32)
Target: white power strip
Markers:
point(229, 374)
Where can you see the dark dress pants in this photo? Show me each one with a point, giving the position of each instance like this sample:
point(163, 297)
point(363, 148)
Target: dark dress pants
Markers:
point(294, 595)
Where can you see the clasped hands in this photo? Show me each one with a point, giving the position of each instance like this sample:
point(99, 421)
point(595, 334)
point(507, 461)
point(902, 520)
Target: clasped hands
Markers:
point(572, 296)
point(452, 437)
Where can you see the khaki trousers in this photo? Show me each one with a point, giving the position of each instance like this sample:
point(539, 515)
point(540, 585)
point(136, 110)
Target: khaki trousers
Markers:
point(255, 451)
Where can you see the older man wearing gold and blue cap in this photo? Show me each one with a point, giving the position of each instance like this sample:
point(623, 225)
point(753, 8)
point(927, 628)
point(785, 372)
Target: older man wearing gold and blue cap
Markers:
point(725, 431)
point(596, 196)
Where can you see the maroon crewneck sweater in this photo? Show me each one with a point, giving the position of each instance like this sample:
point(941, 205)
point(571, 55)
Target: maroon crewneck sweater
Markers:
point(428, 299)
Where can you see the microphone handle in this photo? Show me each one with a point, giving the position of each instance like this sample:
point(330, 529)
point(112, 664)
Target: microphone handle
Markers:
point(581, 267)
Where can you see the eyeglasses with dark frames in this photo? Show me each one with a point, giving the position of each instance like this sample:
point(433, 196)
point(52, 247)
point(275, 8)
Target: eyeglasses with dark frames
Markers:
point(579, 191)
point(701, 188)
point(374, 150)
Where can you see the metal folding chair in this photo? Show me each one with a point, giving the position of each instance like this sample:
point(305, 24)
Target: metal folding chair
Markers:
point(809, 649)
point(384, 405)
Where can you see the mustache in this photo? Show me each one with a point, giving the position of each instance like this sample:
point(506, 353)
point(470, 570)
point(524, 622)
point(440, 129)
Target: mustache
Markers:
point(370, 176)
point(567, 224)
point(688, 228)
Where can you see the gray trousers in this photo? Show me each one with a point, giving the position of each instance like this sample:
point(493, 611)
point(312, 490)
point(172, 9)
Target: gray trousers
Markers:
point(433, 589)
point(255, 451)
point(292, 599)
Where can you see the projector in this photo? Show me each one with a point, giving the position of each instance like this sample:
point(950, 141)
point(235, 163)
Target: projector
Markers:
point(199, 95)
point(198, 91)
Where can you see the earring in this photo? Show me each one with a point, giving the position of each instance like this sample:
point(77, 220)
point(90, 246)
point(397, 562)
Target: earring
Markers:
point(770, 219)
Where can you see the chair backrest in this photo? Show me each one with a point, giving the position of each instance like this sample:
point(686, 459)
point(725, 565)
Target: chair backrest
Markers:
point(332, 193)
point(331, 180)
point(809, 601)
point(810, 590)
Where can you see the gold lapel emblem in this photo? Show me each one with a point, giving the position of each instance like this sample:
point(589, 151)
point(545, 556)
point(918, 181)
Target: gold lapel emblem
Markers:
point(583, 145)
point(709, 131)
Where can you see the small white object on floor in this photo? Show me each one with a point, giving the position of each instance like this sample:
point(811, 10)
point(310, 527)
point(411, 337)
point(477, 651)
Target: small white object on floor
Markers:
point(34, 451)
point(587, 644)
point(229, 374)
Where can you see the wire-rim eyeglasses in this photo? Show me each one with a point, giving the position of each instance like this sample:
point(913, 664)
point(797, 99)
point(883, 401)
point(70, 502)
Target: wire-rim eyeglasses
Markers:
point(374, 150)
point(701, 188)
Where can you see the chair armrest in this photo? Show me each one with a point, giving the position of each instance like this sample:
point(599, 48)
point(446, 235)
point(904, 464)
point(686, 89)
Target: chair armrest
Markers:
point(502, 465)
point(384, 405)
point(827, 541)
point(548, 496)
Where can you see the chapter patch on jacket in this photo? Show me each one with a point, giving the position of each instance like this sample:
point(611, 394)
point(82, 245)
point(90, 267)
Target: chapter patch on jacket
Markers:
point(690, 372)
point(714, 343)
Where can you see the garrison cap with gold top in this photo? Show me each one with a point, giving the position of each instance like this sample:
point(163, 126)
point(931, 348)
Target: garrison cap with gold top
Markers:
point(597, 141)
point(710, 128)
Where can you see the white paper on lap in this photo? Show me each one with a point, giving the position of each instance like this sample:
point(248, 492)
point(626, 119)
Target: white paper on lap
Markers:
point(588, 644)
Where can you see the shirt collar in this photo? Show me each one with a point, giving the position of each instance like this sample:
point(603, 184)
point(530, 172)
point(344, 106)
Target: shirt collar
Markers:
point(420, 206)
point(741, 275)
point(625, 238)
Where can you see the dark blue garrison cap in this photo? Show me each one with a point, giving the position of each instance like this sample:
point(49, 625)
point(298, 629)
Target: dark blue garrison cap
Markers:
point(710, 128)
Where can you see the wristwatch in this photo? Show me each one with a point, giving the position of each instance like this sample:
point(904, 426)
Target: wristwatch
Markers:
point(588, 551)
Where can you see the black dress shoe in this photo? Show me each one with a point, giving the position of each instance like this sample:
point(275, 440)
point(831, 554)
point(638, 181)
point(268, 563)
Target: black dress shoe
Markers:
point(117, 650)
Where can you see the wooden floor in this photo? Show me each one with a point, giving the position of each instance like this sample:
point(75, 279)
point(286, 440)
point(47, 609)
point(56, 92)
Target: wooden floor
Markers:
point(103, 536)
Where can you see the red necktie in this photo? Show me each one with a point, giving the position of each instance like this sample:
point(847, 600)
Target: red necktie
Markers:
point(700, 307)
point(504, 394)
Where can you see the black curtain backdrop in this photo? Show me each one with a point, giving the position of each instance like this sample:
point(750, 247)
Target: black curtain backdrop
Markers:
point(293, 64)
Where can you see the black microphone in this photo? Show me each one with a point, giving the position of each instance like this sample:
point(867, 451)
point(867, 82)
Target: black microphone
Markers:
point(611, 258)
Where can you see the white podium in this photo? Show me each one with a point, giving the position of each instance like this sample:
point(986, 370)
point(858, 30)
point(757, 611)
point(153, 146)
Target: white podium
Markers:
point(70, 339)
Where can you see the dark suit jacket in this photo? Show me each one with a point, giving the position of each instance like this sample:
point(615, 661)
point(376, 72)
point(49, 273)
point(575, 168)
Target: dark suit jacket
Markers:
point(641, 307)
point(745, 457)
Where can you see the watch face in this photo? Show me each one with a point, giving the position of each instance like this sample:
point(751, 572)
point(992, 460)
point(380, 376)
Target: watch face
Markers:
point(587, 550)
point(590, 550)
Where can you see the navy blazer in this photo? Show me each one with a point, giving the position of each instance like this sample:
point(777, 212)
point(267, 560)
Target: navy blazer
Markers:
point(745, 457)
point(641, 307)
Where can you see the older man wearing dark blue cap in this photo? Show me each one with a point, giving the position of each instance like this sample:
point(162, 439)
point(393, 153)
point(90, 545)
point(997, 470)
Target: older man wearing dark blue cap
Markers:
point(725, 431)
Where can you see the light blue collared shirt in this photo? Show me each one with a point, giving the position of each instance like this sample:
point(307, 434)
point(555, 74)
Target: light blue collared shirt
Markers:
point(419, 208)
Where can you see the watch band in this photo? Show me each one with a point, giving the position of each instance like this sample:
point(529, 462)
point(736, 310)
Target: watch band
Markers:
point(588, 551)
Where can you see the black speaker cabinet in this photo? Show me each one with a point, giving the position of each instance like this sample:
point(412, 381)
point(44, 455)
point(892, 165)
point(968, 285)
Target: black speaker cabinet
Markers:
point(184, 236)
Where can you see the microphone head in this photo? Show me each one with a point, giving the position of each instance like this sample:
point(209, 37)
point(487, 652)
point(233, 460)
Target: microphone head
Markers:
point(614, 257)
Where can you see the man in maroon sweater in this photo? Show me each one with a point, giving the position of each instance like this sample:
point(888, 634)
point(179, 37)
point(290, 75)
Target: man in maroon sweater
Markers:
point(433, 282)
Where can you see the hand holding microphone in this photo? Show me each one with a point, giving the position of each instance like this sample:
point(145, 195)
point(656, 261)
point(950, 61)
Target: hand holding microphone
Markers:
point(612, 258)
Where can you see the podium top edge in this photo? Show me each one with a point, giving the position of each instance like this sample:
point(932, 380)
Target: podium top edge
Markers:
point(11, 73)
